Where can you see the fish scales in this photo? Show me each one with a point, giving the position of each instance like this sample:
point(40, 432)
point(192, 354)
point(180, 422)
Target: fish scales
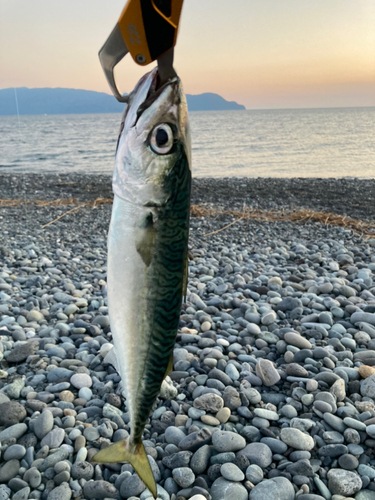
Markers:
point(147, 252)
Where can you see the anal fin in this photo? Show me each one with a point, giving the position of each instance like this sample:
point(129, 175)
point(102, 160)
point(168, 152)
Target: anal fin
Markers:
point(170, 365)
point(111, 359)
point(185, 279)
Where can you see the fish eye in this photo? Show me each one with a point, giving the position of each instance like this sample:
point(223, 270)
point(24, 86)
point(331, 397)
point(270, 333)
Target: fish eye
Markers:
point(162, 139)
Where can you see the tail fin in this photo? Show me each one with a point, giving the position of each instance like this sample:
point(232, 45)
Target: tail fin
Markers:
point(125, 451)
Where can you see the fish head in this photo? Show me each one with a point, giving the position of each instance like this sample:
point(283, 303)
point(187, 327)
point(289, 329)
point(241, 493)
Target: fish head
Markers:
point(154, 142)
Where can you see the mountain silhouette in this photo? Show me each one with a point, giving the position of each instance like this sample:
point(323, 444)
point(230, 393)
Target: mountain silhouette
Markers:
point(56, 101)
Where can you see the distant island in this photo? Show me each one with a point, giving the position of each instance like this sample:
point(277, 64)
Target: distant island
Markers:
point(57, 101)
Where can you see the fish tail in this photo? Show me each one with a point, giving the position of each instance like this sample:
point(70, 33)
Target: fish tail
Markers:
point(135, 454)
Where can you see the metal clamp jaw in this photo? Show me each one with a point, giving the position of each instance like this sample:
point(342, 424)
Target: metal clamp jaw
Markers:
point(148, 30)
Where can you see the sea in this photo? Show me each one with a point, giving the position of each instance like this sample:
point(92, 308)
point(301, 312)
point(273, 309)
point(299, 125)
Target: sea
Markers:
point(331, 142)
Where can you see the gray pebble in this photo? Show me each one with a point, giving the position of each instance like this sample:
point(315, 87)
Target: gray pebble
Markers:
point(343, 482)
point(83, 470)
point(15, 451)
point(43, 424)
point(33, 477)
point(297, 439)
point(222, 489)
point(132, 486)
point(277, 488)
point(258, 454)
point(99, 490)
point(22, 494)
point(231, 472)
point(62, 492)
point(183, 476)
point(9, 470)
point(53, 439)
point(254, 474)
point(227, 441)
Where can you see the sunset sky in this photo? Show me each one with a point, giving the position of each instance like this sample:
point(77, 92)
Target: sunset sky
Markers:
point(261, 53)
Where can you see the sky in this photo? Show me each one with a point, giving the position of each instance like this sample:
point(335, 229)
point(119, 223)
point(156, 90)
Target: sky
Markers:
point(261, 53)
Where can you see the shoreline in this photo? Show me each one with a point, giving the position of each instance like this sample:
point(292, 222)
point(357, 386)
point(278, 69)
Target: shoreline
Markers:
point(345, 196)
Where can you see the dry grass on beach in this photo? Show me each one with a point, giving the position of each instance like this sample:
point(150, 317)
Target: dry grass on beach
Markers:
point(361, 227)
point(364, 228)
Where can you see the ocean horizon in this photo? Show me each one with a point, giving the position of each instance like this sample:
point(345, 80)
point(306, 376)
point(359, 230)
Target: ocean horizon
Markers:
point(285, 143)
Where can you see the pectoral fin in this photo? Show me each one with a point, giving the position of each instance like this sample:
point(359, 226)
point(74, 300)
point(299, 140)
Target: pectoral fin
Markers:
point(145, 239)
point(124, 451)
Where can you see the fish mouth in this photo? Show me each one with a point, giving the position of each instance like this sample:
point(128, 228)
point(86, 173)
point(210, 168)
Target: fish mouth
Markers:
point(155, 90)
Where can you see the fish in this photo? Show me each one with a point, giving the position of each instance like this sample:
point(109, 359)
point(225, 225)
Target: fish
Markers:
point(147, 253)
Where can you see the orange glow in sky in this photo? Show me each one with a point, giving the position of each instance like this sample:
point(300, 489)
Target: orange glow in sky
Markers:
point(261, 53)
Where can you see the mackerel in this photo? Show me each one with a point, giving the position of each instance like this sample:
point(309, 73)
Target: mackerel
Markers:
point(147, 253)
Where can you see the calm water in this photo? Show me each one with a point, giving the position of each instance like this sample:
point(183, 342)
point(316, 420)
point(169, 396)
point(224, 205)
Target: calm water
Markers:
point(268, 143)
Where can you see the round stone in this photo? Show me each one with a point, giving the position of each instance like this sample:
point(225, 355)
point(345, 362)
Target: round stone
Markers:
point(311, 385)
point(366, 470)
point(254, 474)
point(343, 482)
point(5, 492)
point(131, 487)
point(200, 460)
point(277, 488)
point(66, 396)
point(267, 414)
point(335, 422)
point(228, 441)
point(82, 470)
point(209, 420)
point(209, 402)
point(222, 489)
point(205, 326)
point(85, 393)
point(348, 462)
point(354, 424)
point(103, 489)
point(14, 452)
point(62, 492)
point(297, 439)
point(79, 380)
point(43, 424)
point(366, 371)
point(364, 495)
point(53, 439)
point(183, 476)
point(297, 340)
point(232, 472)
point(91, 433)
point(223, 415)
point(173, 435)
point(267, 372)
point(338, 389)
point(307, 399)
point(33, 477)
point(9, 470)
point(288, 411)
point(11, 412)
point(257, 453)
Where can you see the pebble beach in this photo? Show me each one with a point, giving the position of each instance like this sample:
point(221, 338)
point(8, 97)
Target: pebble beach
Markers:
point(272, 393)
